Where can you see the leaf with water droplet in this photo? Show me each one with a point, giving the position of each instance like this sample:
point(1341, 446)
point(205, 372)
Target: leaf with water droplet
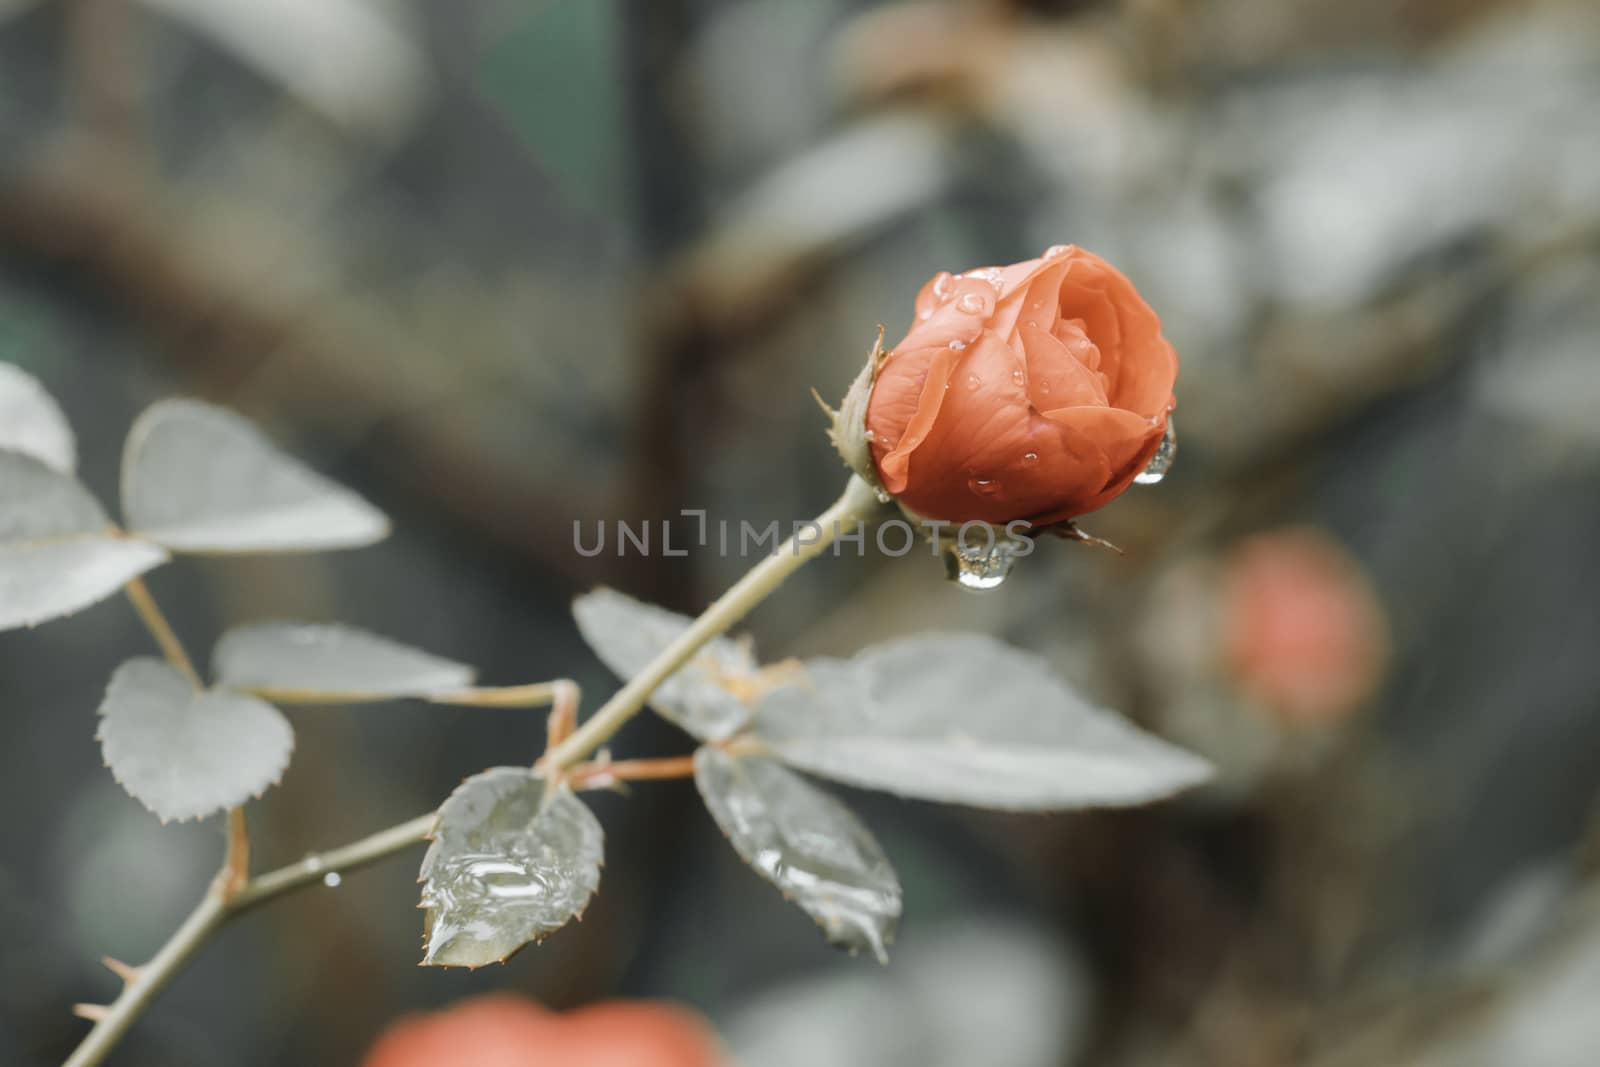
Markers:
point(31, 421)
point(967, 719)
point(512, 861)
point(329, 661)
point(806, 843)
point(186, 753)
point(58, 551)
point(706, 696)
point(198, 478)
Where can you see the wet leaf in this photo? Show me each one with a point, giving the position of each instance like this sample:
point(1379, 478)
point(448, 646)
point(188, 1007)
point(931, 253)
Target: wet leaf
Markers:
point(289, 660)
point(806, 843)
point(58, 552)
point(32, 423)
point(968, 719)
point(198, 478)
point(186, 753)
point(512, 861)
point(704, 696)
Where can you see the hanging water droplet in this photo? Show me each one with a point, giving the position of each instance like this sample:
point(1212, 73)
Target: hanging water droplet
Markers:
point(958, 345)
point(332, 879)
point(980, 566)
point(883, 496)
point(1161, 462)
point(971, 303)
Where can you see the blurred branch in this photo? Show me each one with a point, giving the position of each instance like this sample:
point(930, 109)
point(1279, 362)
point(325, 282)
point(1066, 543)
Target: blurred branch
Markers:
point(353, 365)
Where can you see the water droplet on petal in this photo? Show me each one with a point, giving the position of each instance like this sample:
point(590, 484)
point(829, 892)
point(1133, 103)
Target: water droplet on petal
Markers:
point(332, 879)
point(1017, 377)
point(957, 345)
point(1161, 462)
point(971, 303)
point(1044, 385)
point(925, 314)
point(974, 382)
point(1030, 457)
point(988, 274)
point(1056, 250)
point(943, 283)
point(870, 436)
point(980, 566)
point(984, 486)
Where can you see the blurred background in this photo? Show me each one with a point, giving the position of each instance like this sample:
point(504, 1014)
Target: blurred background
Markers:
point(506, 264)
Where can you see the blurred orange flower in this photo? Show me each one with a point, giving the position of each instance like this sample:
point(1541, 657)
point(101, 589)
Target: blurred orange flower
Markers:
point(1036, 391)
point(502, 1030)
point(1303, 632)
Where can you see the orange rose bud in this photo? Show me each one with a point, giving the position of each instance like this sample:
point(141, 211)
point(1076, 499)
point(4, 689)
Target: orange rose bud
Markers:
point(1038, 391)
point(501, 1030)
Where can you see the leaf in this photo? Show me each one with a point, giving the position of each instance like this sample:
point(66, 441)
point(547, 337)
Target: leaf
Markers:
point(186, 753)
point(806, 843)
point(32, 423)
point(512, 861)
point(197, 478)
point(968, 719)
point(58, 551)
point(302, 660)
point(702, 697)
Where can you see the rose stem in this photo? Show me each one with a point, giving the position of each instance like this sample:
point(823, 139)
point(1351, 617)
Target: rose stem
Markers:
point(855, 505)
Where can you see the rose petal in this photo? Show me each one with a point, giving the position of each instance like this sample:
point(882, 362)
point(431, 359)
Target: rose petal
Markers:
point(1033, 281)
point(906, 400)
point(961, 318)
point(960, 466)
point(1056, 377)
point(1072, 332)
point(1121, 435)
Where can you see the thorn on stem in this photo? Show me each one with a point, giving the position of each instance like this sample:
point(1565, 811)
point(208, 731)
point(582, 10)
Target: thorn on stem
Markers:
point(93, 1012)
point(125, 971)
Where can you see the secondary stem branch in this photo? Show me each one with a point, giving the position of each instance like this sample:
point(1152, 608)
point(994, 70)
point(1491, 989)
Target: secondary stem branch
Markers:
point(227, 898)
point(852, 508)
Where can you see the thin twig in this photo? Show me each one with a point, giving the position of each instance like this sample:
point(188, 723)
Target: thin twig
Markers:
point(603, 774)
point(160, 629)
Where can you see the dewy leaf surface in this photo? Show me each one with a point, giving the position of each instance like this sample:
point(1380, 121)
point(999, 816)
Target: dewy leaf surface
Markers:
point(806, 843)
point(332, 659)
point(511, 862)
point(186, 753)
point(58, 553)
point(198, 478)
point(703, 697)
point(32, 423)
point(968, 719)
